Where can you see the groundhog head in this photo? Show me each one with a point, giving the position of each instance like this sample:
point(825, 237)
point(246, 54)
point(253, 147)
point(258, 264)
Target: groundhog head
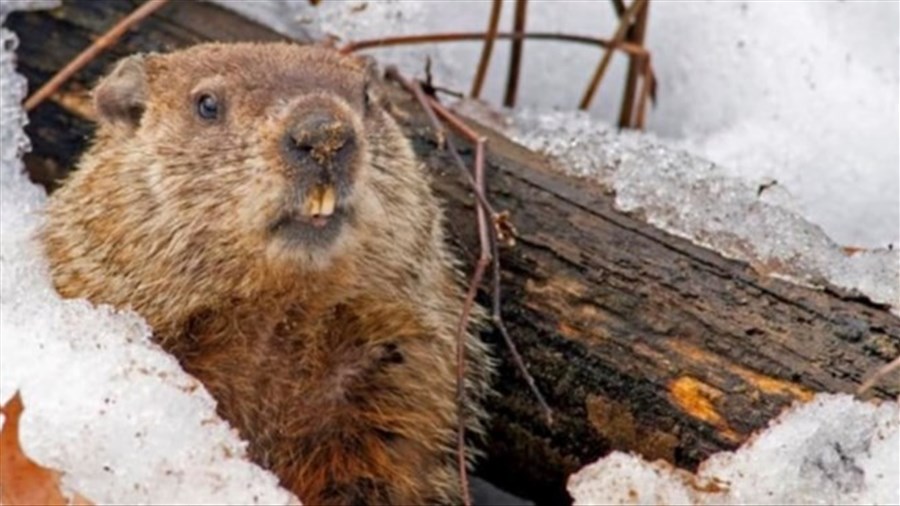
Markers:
point(270, 146)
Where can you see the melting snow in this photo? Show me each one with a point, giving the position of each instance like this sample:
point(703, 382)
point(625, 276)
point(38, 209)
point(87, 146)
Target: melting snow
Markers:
point(695, 198)
point(833, 450)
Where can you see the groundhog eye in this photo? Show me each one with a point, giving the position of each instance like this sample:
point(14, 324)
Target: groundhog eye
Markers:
point(208, 107)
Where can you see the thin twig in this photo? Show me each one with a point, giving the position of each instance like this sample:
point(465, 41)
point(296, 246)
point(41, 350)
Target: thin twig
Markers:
point(646, 92)
point(383, 42)
point(487, 49)
point(879, 374)
point(448, 91)
point(467, 132)
point(416, 89)
point(497, 318)
point(635, 35)
point(484, 259)
point(101, 44)
point(617, 39)
point(619, 6)
point(515, 55)
point(431, 38)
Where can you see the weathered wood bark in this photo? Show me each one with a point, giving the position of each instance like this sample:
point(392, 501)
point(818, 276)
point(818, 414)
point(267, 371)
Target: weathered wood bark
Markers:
point(642, 341)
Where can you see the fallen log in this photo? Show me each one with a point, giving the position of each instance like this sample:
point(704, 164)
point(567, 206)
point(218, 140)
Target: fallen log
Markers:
point(640, 340)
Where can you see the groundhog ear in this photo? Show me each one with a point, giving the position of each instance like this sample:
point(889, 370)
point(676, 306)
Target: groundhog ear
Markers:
point(374, 93)
point(121, 96)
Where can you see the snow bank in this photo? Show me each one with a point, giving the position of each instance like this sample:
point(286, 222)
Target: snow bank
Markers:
point(102, 403)
point(816, 110)
point(833, 450)
point(697, 199)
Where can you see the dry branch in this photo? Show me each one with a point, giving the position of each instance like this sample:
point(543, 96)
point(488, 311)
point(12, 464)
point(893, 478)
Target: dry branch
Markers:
point(615, 41)
point(90, 53)
point(437, 38)
point(636, 69)
point(488, 48)
point(515, 55)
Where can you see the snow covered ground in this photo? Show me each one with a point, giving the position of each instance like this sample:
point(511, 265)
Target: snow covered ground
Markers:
point(126, 425)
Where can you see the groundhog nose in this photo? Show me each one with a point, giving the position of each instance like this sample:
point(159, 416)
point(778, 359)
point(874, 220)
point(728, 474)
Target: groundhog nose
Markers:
point(320, 140)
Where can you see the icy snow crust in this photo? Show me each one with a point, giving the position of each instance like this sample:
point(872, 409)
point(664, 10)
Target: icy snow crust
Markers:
point(833, 450)
point(695, 198)
point(102, 403)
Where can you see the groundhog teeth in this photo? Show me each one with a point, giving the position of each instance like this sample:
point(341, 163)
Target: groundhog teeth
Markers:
point(320, 202)
point(326, 204)
point(312, 203)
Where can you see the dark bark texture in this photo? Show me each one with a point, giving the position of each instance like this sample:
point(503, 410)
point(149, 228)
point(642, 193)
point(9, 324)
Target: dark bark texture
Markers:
point(640, 340)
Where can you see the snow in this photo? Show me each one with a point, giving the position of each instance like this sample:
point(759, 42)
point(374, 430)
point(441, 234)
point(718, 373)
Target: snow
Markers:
point(127, 425)
point(833, 450)
point(697, 199)
point(103, 403)
point(816, 110)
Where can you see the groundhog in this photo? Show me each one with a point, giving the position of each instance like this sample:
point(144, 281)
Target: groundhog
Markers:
point(265, 214)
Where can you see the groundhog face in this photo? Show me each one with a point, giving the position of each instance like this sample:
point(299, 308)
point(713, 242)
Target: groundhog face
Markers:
point(273, 137)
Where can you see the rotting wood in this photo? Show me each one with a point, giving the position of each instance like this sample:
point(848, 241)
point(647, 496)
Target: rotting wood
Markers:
point(640, 340)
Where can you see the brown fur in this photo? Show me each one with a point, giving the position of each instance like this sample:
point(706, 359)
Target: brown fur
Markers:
point(335, 362)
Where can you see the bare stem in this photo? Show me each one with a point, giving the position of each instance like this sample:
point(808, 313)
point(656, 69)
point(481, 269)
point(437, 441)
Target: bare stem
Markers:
point(487, 49)
point(484, 258)
point(617, 39)
point(467, 132)
point(636, 70)
point(619, 6)
point(497, 319)
point(646, 92)
point(101, 44)
point(431, 38)
point(515, 55)
point(879, 374)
